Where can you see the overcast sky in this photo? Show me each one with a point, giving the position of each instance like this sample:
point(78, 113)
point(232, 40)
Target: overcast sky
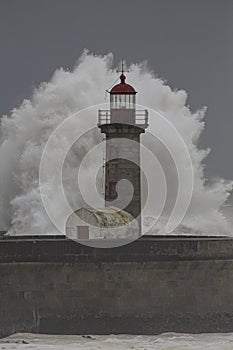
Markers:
point(189, 43)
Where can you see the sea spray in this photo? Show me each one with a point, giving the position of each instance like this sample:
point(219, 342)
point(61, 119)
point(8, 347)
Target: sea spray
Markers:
point(25, 131)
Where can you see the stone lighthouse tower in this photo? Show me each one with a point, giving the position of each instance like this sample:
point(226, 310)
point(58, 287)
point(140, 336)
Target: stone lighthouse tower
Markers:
point(123, 125)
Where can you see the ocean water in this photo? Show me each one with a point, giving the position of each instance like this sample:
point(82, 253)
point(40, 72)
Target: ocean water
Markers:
point(166, 341)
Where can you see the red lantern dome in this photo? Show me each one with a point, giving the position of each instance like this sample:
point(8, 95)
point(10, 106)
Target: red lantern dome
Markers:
point(123, 88)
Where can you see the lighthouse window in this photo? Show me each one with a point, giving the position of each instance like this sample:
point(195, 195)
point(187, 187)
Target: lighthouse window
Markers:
point(122, 101)
point(112, 193)
point(128, 101)
point(119, 101)
point(111, 101)
point(131, 101)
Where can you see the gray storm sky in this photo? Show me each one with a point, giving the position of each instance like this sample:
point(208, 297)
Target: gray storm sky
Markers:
point(189, 43)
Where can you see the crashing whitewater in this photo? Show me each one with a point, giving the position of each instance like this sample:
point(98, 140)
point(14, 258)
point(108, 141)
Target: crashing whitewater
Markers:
point(25, 131)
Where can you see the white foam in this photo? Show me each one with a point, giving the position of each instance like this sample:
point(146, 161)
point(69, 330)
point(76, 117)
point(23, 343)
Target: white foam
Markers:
point(166, 341)
point(25, 131)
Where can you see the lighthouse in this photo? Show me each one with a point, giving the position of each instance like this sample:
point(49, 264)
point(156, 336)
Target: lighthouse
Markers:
point(123, 124)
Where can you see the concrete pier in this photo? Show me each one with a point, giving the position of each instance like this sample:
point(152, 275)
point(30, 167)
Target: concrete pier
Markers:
point(153, 285)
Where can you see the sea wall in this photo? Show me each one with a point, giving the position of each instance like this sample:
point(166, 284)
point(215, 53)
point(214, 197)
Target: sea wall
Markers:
point(153, 285)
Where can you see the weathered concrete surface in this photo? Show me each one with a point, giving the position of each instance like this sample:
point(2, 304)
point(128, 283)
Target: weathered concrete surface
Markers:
point(125, 139)
point(149, 286)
